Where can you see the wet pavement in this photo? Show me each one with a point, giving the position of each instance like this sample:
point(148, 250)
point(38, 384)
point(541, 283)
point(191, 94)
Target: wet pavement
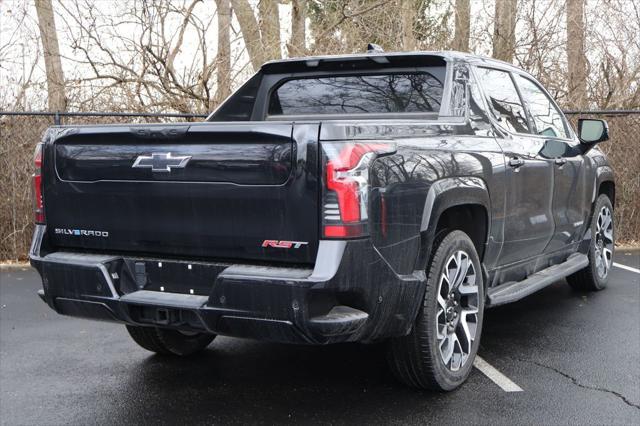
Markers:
point(576, 357)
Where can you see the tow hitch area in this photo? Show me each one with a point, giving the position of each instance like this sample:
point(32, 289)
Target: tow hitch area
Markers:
point(166, 309)
point(164, 317)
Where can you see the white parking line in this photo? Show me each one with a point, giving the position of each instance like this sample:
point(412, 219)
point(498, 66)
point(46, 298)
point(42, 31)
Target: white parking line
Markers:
point(625, 267)
point(496, 377)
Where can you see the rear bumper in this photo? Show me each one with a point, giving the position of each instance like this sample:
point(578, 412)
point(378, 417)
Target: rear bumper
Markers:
point(350, 295)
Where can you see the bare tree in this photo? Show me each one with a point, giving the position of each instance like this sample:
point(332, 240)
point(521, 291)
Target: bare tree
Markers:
point(223, 57)
point(614, 34)
point(53, 64)
point(297, 46)
point(462, 25)
point(269, 23)
point(250, 32)
point(407, 16)
point(540, 43)
point(576, 59)
point(504, 30)
point(346, 26)
point(158, 55)
point(261, 36)
point(150, 69)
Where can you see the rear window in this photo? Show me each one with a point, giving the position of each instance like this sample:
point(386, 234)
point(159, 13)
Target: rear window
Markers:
point(359, 94)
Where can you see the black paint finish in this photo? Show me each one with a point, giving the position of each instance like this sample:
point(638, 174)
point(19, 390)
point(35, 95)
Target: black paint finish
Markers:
point(524, 199)
point(244, 183)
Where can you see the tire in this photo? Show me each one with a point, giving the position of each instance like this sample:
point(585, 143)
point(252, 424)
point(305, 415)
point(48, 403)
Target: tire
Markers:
point(595, 276)
point(419, 359)
point(169, 342)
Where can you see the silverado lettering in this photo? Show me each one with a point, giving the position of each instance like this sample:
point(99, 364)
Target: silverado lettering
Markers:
point(81, 232)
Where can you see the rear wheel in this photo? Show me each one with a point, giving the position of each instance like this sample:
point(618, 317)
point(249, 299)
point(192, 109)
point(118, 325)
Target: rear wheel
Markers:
point(438, 354)
point(596, 275)
point(169, 342)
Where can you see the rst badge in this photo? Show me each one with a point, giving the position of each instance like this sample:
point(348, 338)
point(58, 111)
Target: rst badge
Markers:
point(284, 244)
point(81, 232)
point(161, 162)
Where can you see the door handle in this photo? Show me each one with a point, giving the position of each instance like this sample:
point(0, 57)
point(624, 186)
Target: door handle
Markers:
point(561, 161)
point(516, 162)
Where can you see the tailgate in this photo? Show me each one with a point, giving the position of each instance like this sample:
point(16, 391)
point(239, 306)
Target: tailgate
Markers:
point(210, 190)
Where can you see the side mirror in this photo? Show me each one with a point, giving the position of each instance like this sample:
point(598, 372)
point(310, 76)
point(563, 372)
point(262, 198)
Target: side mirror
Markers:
point(591, 132)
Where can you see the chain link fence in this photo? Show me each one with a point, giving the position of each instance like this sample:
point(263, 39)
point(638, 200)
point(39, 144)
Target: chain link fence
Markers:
point(19, 133)
point(623, 153)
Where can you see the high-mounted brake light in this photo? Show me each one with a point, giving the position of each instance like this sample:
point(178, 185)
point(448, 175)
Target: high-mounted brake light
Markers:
point(345, 200)
point(36, 180)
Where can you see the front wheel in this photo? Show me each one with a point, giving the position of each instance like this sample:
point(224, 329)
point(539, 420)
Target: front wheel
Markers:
point(438, 354)
point(169, 342)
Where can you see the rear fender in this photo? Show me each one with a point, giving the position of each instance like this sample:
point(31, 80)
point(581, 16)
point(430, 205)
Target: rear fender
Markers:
point(442, 195)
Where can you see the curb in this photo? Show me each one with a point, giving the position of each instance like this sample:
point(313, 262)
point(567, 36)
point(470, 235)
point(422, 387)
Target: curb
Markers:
point(20, 266)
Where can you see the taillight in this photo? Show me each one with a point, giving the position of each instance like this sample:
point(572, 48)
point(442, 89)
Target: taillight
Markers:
point(345, 198)
point(38, 202)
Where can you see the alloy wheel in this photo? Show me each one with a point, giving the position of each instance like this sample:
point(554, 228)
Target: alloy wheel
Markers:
point(457, 310)
point(604, 242)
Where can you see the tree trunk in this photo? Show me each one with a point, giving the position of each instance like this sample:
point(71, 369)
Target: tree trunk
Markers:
point(504, 30)
point(576, 58)
point(270, 28)
point(51, 50)
point(408, 13)
point(223, 57)
point(297, 47)
point(250, 32)
point(463, 24)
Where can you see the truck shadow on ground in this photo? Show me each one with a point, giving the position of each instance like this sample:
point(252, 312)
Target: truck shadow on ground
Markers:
point(237, 381)
point(247, 381)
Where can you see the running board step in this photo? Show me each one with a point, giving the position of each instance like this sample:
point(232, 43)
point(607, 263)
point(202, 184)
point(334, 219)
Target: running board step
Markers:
point(516, 290)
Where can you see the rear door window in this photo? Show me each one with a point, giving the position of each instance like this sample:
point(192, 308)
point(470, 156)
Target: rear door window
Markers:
point(503, 100)
point(359, 94)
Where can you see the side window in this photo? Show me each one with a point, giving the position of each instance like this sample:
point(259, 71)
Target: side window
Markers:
point(547, 119)
point(503, 99)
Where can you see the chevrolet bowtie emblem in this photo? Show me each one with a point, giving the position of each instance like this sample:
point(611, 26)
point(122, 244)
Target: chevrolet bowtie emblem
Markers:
point(161, 162)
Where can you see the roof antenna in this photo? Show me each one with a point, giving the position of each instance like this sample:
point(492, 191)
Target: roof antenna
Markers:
point(374, 48)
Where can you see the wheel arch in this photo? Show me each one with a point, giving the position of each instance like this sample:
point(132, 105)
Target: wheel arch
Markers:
point(461, 203)
point(605, 184)
point(608, 188)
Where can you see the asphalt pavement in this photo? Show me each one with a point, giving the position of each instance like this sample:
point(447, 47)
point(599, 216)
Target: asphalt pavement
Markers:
point(575, 356)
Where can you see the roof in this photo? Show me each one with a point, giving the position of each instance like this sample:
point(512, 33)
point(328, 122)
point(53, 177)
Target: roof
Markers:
point(374, 60)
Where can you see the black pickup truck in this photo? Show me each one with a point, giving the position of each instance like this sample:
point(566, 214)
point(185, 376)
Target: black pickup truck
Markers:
point(382, 197)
